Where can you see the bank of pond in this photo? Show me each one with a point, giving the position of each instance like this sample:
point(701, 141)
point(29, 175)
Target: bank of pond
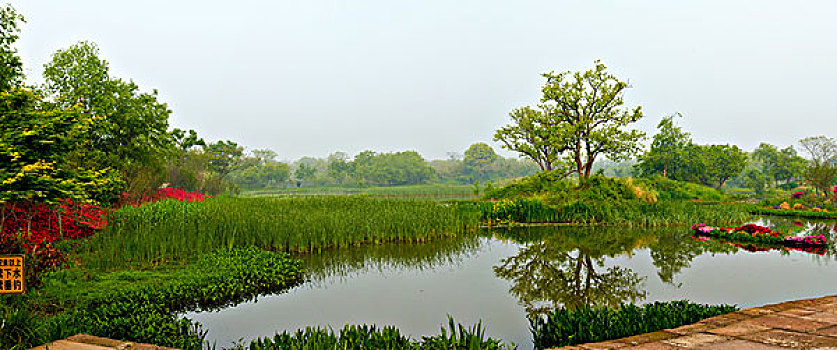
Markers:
point(326, 269)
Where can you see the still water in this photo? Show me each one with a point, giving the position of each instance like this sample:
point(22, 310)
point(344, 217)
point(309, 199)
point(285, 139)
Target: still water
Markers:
point(501, 276)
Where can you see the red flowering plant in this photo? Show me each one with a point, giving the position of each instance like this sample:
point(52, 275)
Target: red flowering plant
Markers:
point(163, 194)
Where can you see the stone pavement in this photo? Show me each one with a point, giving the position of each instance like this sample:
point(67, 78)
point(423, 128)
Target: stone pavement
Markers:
point(89, 342)
point(801, 324)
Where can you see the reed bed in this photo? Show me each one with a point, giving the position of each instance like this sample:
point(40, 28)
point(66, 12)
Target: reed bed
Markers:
point(672, 212)
point(174, 230)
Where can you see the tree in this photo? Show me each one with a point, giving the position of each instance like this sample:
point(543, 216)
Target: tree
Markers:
point(713, 165)
point(11, 67)
point(401, 168)
point(34, 141)
point(821, 149)
point(580, 118)
point(224, 157)
point(822, 167)
point(533, 136)
point(129, 131)
point(304, 172)
point(779, 165)
point(477, 160)
point(666, 152)
point(339, 167)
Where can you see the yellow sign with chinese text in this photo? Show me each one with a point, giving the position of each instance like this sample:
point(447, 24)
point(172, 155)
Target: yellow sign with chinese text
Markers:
point(12, 277)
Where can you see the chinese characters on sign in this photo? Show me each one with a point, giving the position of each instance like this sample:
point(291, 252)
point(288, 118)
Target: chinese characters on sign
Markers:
point(11, 274)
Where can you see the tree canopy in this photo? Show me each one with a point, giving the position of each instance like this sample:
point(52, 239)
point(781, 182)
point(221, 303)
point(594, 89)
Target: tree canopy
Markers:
point(130, 128)
point(580, 118)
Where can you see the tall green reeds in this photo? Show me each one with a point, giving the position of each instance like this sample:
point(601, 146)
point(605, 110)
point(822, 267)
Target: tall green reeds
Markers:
point(594, 324)
point(176, 230)
point(672, 212)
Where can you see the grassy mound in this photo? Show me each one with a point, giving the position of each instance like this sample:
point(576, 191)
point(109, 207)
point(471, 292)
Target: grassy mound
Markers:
point(673, 189)
point(602, 200)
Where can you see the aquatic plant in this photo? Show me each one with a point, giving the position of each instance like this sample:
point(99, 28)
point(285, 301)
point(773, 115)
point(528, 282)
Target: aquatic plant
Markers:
point(594, 323)
point(169, 230)
point(149, 312)
point(352, 337)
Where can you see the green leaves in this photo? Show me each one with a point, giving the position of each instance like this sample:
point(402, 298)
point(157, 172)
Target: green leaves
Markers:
point(34, 142)
point(580, 118)
point(596, 323)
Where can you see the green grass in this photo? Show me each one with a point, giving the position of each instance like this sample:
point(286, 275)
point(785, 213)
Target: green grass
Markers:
point(594, 324)
point(173, 230)
point(427, 191)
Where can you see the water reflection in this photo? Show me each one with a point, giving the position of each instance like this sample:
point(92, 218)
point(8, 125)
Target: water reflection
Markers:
point(566, 266)
point(343, 264)
point(503, 275)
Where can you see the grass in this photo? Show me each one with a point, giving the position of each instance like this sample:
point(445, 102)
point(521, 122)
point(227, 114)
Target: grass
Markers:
point(594, 324)
point(426, 191)
point(173, 230)
point(662, 213)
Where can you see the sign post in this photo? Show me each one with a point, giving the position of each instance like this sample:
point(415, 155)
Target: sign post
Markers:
point(12, 276)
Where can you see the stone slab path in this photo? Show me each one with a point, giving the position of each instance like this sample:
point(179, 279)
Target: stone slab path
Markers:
point(89, 342)
point(800, 324)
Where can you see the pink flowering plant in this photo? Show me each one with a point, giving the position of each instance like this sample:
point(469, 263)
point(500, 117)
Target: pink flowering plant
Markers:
point(757, 234)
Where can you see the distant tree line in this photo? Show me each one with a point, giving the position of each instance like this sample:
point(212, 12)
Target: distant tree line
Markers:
point(479, 164)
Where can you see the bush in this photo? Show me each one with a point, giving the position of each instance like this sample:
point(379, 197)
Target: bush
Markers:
point(594, 324)
point(672, 189)
point(543, 182)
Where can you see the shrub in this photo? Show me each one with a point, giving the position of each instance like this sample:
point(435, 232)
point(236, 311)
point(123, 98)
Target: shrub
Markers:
point(673, 189)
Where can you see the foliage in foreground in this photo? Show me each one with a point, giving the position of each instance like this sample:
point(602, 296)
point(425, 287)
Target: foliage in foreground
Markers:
point(594, 324)
point(175, 230)
point(148, 312)
point(389, 338)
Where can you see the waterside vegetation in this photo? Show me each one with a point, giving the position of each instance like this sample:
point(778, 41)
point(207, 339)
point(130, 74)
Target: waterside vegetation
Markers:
point(173, 230)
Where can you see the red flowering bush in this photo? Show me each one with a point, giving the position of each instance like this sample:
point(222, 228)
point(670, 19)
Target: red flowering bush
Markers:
point(41, 224)
point(167, 193)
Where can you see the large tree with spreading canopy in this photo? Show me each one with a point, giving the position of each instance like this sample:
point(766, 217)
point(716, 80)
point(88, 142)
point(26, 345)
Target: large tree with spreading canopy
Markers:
point(580, 118)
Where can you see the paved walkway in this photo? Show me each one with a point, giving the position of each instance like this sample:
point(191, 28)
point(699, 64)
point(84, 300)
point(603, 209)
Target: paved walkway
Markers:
point(801, 324)
point(89, 342)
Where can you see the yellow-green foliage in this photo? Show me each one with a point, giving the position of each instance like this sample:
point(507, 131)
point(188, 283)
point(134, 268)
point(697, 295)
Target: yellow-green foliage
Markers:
point(673, 189)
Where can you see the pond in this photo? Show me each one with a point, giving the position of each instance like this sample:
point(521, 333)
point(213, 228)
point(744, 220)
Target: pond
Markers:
point(501, 276)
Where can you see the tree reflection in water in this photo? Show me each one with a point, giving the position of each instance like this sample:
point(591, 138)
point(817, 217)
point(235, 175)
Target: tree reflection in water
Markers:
point(563, 268)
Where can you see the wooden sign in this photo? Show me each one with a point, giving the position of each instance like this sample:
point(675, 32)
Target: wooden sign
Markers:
point(12, 277)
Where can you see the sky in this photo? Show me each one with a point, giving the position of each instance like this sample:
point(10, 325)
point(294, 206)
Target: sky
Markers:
point(307, 78)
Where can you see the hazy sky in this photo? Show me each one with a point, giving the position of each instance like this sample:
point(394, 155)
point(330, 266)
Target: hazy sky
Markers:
point(316, 76)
